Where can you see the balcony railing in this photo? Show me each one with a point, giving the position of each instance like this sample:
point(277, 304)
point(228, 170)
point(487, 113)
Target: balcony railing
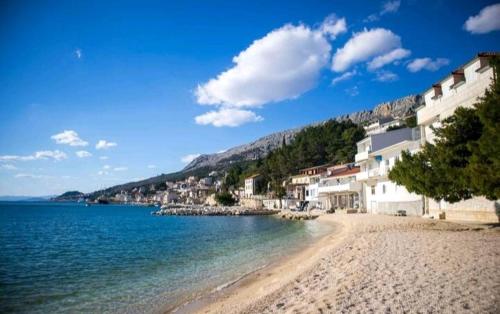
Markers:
point(361, 176)
point(361, 156)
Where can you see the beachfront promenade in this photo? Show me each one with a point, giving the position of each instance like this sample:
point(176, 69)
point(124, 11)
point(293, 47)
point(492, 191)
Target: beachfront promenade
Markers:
point(378, 263)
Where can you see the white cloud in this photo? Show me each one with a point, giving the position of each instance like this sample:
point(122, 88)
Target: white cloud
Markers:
point(103, 144)
point(106, 167)
point(387, 7)
point(345, 76)
point(104, 158)
point(120, 169)
point(371, 18)
point(386, 76)
point(83, 154)
point(45, 154)
point(32, 176)
point(102, 173)
point(8, 167)
point(78, 53)
point(333, 26)
point(390, 57)
point(151, 166)
point(363, 46)
point(69, 137)
point(227, 117)
point(427, 64)
point(282, 65)
point(188, 158)
point(486, 21)
point(353, 91)
point(390, 7)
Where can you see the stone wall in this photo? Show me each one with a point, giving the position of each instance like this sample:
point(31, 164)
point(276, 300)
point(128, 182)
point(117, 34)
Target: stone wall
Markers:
point(253, 203)
point(413, 208)
point(477, 209)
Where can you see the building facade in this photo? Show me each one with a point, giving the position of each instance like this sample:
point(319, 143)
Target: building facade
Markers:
point(339, 188)
point(376, 155)
point(251, 184)
point(461, 88)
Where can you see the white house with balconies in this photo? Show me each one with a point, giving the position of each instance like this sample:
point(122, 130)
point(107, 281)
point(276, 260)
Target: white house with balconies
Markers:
point(461, 88)
point(376, 155)
point(338, 189)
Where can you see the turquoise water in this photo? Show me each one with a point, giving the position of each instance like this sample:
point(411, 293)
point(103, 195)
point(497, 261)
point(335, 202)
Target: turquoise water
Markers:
point(65, 257)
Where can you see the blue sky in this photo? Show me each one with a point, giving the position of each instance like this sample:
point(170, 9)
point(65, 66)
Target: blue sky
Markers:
point(159, 81)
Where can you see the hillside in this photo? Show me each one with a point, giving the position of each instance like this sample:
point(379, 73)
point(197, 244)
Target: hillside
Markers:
point(205, 163)
point(398, 108)
point(70, 196)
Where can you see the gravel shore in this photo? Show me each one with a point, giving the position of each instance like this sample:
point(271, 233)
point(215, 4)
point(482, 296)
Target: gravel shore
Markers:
point(375, 264)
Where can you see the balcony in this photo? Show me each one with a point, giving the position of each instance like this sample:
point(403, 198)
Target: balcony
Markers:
point(361, 156)
point(362, 176)
point(463, 95)
point(352, 186)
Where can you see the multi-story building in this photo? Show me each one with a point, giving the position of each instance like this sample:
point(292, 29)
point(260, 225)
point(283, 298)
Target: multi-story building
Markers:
point(251, 185)
point(300, 188)
point(376, 155)
point(381, 125)
point(338, 189)
point(461, 88)
point(207, 181)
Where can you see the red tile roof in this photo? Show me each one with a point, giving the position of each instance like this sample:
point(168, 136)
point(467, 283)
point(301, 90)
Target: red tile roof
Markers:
point(345, 171)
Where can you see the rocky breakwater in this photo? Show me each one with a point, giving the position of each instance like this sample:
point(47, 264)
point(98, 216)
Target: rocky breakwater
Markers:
point(200, 210)
point(285, 214)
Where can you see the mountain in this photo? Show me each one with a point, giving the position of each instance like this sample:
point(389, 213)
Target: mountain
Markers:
point(202, 165)
point(396, 109)
point(70, 196)
point(22, 198)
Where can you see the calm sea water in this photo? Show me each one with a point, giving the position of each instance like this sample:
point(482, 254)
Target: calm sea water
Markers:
point(65, 257)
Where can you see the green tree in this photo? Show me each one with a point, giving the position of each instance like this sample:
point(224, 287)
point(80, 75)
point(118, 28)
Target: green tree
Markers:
point(484, 168)
point(411, 122)
point(225, 199)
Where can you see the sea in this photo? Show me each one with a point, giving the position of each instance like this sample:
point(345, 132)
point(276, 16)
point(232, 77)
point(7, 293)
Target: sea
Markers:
point(69, 258)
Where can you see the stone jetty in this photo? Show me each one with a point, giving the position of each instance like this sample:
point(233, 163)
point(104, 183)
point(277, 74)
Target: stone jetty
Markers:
point(200, 210)
point(286, 214)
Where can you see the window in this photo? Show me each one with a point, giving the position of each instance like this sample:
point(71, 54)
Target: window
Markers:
point(373, 189)
point(383, 188)
point(387, 162)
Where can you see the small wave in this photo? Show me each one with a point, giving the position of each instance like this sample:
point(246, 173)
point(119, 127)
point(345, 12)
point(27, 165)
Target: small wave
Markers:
point(232, 282)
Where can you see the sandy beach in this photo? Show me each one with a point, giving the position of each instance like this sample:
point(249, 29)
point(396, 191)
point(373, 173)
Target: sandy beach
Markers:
point(374, 264)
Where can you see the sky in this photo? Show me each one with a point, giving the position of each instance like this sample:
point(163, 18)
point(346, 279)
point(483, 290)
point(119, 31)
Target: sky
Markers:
point(97, 93)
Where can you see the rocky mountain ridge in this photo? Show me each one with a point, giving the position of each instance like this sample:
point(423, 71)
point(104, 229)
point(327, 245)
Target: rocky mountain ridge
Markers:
point(202, 165)
point(398, 108)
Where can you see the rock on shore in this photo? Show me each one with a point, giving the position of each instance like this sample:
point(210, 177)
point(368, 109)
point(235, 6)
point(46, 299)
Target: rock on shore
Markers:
point(198, 210)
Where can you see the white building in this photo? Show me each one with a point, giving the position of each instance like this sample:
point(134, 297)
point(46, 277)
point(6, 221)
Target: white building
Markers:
point(251, 185)
point(339, 188)
point(459, 89)
point(169, 197)
point(311, 191)
point(303, 186)
point(381, 125)
point(376, 155)
point(207, 181)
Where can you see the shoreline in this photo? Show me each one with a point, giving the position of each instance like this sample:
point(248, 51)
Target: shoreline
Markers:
point(259, 275)
point(373, 262)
